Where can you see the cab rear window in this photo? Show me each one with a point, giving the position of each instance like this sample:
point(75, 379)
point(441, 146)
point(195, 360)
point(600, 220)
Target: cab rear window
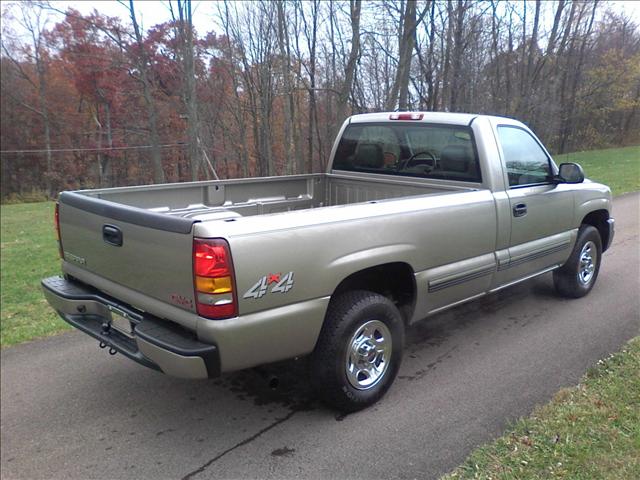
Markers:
point(409, 149)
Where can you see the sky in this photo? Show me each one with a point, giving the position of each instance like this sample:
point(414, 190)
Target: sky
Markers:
point(631, 7)
point(154, 12)
point(151, 12)
point(148, 12)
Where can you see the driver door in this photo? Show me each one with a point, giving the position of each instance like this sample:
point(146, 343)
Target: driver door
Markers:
point(541, 211)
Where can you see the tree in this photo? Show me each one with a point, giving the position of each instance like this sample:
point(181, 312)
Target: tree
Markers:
point(406, 43)
point(33, 20)
point(141, 59)
point(184, 38)
point(89, 100)
point(344, 90)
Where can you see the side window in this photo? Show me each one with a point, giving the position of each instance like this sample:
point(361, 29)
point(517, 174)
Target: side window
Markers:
point(526, 162)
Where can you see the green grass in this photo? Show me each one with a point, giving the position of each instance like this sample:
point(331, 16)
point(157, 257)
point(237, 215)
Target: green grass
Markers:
point(29, 253)
point(617, 167)
point(589, 431)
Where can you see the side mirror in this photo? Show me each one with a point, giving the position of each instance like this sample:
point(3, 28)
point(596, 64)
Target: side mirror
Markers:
point(570, 173)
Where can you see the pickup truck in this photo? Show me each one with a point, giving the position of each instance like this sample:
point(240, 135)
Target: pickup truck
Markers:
point(417, 212)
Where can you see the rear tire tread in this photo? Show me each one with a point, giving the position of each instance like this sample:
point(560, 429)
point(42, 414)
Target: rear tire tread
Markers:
point(327, 371)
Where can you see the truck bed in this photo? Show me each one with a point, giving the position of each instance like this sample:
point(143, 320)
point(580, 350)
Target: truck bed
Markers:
point(215, 200)
point(136, 243)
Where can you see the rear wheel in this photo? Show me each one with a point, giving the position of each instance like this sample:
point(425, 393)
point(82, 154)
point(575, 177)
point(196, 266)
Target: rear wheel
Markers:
point(578, 275)
point(359, 350)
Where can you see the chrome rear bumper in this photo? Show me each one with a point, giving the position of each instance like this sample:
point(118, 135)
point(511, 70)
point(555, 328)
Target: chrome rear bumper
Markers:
point(153, 342)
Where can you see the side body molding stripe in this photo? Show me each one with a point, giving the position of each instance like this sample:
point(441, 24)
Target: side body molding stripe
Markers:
point(451, 280)
point(534, 256)
point(436, 285)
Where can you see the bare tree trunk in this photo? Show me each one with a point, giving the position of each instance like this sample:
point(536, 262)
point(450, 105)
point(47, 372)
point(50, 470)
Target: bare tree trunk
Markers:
point(568, 117)
point(523, 57)
point(99, 152)
point(32, 21)
point(447, 48)
point(494, 54)
point(507, 72)
point(406, 42)
point(553, 36)
point(548, 67)
point(238, 110)
point(424, 81)
point(458, 50)
point(265, 48)
point(107, 167)
point(289, 109)
point(184, 37)
point(434, 83)
point(311, 34)
point(257, 48)
point(331, 80)
point(152, 114)
point(529, 72)
point(533, 45)
point(42, 97)
point(350, 70)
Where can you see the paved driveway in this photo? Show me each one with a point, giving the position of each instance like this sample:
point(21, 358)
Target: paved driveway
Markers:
point(71, 411)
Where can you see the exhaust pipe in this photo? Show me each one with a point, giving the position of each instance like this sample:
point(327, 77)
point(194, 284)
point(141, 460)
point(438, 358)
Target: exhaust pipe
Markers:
point(272, 381)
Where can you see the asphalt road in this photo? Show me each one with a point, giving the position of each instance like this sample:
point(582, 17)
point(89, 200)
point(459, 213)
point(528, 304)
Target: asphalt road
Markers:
point(69, 410)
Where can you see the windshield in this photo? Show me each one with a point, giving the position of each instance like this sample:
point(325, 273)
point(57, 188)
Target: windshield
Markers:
point(409, 149)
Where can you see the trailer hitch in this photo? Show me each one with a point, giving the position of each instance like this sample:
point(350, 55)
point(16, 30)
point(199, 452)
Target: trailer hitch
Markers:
point(112, 351)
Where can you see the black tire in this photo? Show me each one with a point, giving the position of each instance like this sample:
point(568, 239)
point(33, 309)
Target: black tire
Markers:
point(568, 279)
point(346, 318)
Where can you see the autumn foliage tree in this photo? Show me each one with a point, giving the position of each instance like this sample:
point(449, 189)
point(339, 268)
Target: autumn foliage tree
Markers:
point(94, 101)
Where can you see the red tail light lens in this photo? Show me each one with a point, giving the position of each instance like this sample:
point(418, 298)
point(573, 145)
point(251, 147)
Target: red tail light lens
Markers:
point(58, 237)
point(211, 258)
point(213, 280)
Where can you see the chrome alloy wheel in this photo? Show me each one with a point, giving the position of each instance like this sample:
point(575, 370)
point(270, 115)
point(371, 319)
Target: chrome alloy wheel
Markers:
point(587, 266)
point(368, 354)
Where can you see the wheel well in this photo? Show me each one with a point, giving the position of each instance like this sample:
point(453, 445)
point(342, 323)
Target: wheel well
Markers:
point(598, 219)
point(395, 281)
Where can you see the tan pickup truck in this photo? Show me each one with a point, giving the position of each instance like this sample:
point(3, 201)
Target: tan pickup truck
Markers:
point(417, 212)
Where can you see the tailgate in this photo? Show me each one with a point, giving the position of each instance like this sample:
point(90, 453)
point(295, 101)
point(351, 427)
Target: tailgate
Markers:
point(145, 251)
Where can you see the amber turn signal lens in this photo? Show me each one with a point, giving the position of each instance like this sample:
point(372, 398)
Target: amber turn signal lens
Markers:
point(213, 285)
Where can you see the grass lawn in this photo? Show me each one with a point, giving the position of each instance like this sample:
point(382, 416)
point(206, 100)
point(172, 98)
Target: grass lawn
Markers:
point(29, 252)
point(585, 432)
point(617, 167)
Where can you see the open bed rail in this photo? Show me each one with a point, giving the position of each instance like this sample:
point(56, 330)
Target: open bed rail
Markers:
point(216, 200)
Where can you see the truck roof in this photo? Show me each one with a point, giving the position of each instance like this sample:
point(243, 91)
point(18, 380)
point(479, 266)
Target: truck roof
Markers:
point(428, 117)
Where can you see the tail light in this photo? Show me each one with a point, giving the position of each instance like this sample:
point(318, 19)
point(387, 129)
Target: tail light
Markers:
point(58, 237)
point(213, 279)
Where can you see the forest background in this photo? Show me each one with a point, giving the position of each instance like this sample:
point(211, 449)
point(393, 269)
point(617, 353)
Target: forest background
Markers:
point(261, 87)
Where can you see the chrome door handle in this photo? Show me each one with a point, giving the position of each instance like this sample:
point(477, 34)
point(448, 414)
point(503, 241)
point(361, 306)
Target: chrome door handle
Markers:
point(520, 210)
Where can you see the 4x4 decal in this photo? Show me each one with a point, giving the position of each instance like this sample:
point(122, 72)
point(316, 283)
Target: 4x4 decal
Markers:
point(283, 283)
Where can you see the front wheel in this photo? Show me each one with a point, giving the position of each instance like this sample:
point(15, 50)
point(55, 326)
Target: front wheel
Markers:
point(359, 350)
point(578, 275)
